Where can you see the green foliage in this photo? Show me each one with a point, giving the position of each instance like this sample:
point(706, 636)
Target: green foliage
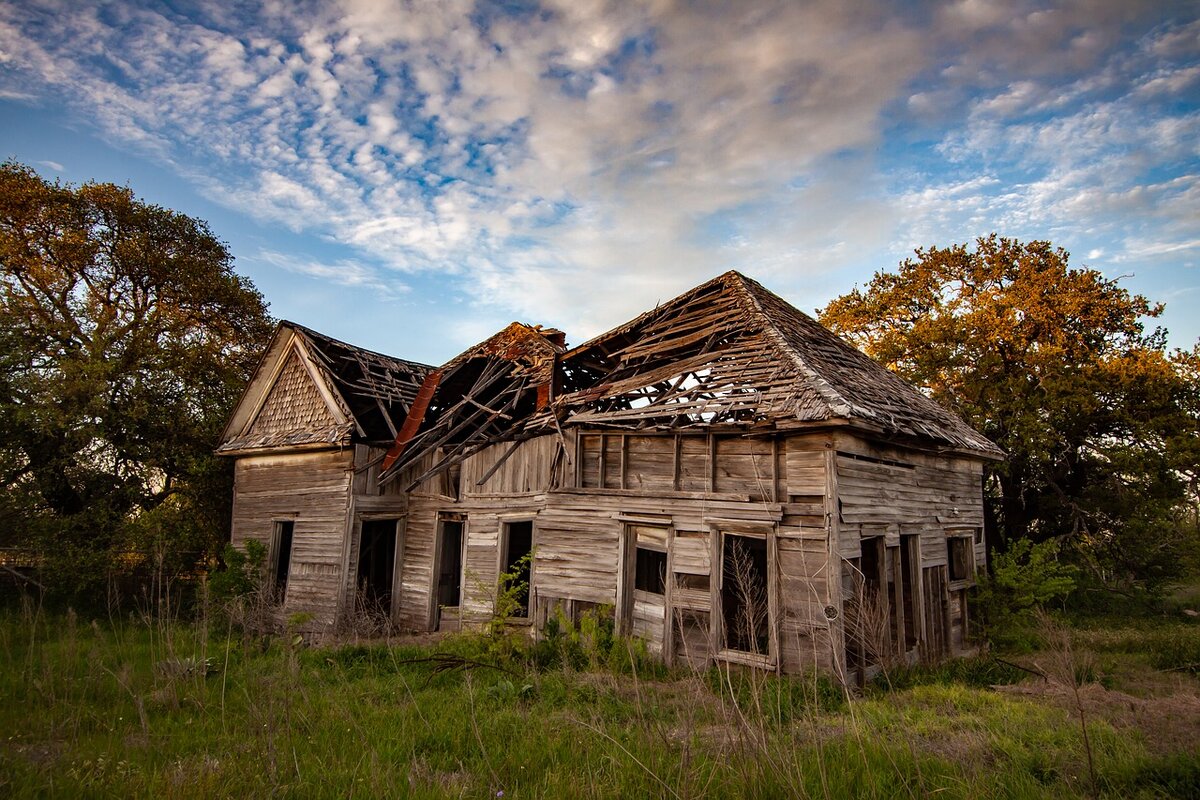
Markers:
point(592, 644)
point(979, 672)
point(1100, 423)
point(241, 572)
point(85, 702)
point(512, 594)
point(125, 339)
point(777, 700)
point(1175, 775)
point(1024, 578)
point(1178, 652)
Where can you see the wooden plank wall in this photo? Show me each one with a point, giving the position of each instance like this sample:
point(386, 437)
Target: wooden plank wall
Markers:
point(688, 463)
point(886, 491)
point(416, 568)
point(744, 465)
point(313, 489)
point(671, 480)
point(804, 565)
point(524, 471)
point(883, 490)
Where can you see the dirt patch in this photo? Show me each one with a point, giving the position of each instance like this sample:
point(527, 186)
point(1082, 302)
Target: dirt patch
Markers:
point(1168, 724)
point(37, 753)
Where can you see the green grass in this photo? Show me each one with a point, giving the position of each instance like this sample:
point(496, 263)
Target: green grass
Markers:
point(130, 709)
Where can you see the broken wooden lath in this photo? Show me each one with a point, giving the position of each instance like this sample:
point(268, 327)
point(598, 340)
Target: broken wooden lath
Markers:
point(728, 353)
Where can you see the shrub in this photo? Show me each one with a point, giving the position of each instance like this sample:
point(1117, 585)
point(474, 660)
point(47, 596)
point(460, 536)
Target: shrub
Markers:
point(1023, 579)
point(240, 575)
point(980, 672)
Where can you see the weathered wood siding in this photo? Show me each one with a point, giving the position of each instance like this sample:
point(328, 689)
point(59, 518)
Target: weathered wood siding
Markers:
point(805, 568)
point(416, 567)
point(817, 493)
point(313, 490)
point(527, 470)
point(890, 492)
point(744, 466)
point(887, 491)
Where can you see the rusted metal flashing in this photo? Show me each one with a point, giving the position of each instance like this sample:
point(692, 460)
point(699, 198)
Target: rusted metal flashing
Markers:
point(412, 422)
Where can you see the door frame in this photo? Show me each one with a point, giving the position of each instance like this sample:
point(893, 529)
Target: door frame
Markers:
point(397, 563)
point(433, 612)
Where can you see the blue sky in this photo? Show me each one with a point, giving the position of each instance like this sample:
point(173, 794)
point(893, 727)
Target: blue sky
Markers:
point(411, 176)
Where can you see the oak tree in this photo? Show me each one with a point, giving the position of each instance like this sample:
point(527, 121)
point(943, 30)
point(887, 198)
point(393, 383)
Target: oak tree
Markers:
point(125, 338)
point(1055, 364)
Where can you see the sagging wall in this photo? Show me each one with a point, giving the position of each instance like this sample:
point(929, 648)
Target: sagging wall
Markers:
point(311, 490)
point(811, 498)
point(728, 486)
point(898, 506)
point(699, 491)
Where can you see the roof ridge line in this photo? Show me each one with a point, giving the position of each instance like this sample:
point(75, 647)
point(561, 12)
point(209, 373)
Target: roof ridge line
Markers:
point(310, 332)
point(838, 404)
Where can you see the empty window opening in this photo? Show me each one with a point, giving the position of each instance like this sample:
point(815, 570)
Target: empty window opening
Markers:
point(449, 589)
point(650, 571)
point(518, 545)
point(687, 580)
point(744, 594)
point(377, 563)
point(641, 588)
point(960, 555)
point(281, 558)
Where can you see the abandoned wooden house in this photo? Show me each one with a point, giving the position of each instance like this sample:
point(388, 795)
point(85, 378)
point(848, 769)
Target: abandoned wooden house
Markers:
point(729, 479)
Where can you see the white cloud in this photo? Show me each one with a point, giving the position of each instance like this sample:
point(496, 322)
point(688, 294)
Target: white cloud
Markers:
point(342, 273)
point(623, 151)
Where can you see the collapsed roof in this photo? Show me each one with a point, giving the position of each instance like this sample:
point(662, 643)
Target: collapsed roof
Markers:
point(732, 352)
point(728, 354)
point(480, 396)
point(312, 390)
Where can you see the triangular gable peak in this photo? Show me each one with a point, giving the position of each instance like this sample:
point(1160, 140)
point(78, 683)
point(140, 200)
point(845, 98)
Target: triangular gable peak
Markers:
point(378, 389)
point(290, 402)
point(730, 352)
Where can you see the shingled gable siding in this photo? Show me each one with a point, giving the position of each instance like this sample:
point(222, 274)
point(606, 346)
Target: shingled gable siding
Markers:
point(293, 404)
point(313, 490)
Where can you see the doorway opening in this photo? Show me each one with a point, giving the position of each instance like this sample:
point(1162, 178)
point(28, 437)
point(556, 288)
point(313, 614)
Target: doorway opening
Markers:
point(449, 569)
point(910, 588)
point(281, 559)
point(377, 564)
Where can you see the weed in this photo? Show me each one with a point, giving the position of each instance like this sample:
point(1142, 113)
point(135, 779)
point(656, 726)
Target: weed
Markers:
point(135, 708)
point(978, 671)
